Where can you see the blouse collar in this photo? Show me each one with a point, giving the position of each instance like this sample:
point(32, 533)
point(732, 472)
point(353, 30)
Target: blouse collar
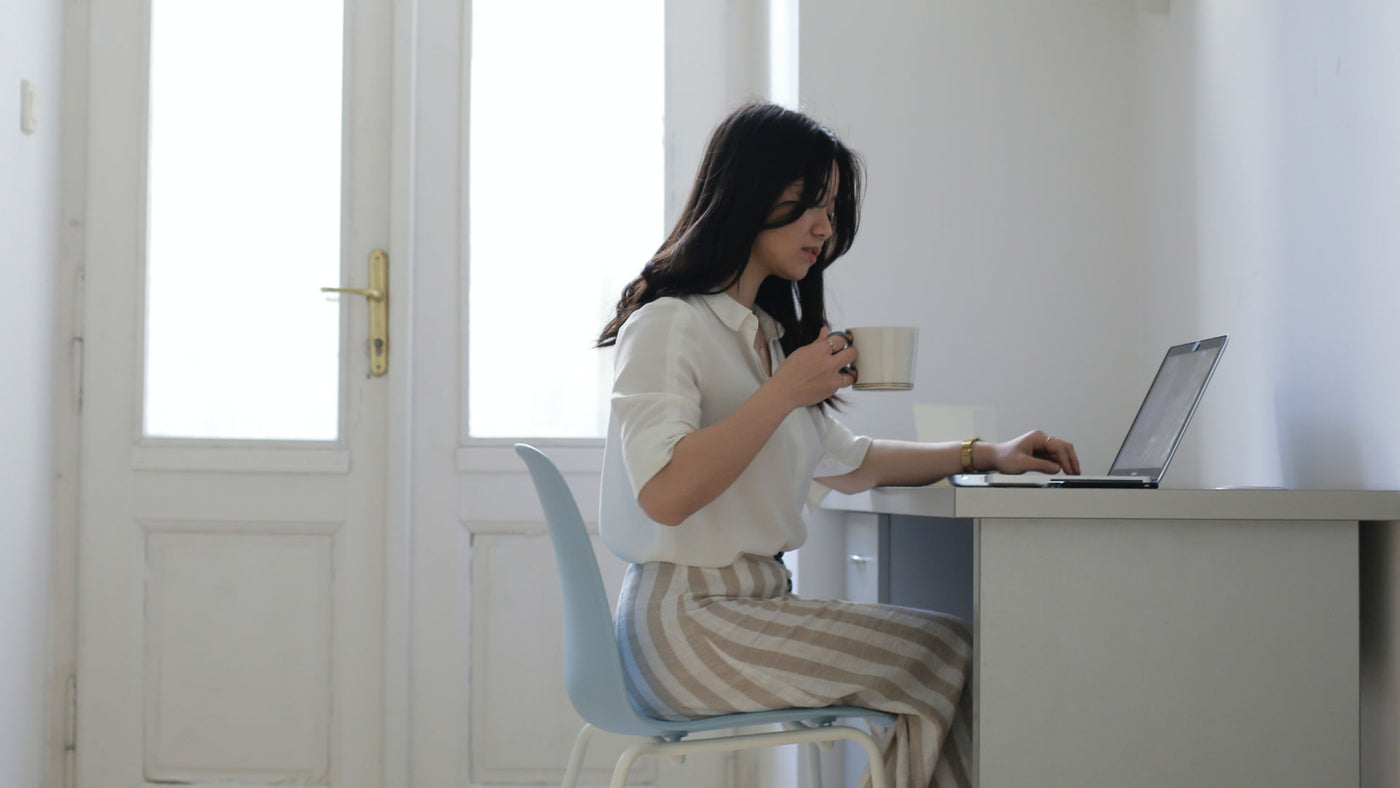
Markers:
point(734, 314)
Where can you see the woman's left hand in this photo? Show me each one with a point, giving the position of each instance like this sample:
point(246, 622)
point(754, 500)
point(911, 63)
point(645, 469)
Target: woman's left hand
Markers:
point(1034, 451)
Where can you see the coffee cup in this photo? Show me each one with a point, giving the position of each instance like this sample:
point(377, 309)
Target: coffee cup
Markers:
point(886, 361)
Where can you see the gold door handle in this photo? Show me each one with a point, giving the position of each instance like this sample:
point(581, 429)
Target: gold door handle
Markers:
point(378, 295)
point(373, 295)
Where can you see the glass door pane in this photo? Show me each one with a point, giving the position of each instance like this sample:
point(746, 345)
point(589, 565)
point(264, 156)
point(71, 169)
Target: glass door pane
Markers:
point(567, 196)
point(244, 198)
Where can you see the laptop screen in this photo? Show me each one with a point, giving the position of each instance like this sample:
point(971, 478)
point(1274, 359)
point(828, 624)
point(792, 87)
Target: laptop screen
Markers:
point(1167, 409)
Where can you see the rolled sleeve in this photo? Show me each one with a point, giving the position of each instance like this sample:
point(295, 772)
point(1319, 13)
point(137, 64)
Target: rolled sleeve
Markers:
point(656, 393)
point(842, 452)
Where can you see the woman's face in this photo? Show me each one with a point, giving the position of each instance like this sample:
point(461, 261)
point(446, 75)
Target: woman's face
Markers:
point(791, 250)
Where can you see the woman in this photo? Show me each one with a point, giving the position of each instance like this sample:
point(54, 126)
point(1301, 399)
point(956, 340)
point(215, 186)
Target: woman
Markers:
point(721, 430)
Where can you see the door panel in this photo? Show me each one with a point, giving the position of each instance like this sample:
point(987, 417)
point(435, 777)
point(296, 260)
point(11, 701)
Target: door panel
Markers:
point(238, 668)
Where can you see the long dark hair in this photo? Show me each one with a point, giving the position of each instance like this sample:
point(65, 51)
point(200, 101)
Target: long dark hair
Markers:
point(752, 157)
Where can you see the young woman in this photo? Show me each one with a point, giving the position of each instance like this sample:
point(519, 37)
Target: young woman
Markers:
point(721, 431)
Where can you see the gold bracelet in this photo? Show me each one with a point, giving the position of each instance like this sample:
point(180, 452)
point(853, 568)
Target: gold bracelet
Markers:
point(968, 467)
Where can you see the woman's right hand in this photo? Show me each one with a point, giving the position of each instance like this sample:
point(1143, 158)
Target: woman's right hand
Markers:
point(814, 372)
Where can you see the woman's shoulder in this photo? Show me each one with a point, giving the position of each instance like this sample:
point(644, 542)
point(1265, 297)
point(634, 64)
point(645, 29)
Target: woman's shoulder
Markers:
point(664, 311)
point(673, 305)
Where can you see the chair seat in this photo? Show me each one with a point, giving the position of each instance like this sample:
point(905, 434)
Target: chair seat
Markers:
point(821, 716)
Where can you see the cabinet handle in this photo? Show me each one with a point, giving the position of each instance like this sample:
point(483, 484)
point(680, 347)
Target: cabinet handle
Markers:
point(860, 559)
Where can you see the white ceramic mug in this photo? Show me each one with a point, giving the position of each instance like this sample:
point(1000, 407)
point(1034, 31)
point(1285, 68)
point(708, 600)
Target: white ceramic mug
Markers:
point(886, 361)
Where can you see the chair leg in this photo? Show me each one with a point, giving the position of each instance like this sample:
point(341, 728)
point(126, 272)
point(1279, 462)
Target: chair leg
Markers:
point(625, 761)
point(814, 764)
point(806, 735)
point(878, 778)
point(576, 756)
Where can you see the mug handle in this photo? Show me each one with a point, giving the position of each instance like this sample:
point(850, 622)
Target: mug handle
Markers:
point(849, 369)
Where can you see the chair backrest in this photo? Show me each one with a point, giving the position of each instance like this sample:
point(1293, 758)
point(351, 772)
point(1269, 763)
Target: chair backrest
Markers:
point(592, 664)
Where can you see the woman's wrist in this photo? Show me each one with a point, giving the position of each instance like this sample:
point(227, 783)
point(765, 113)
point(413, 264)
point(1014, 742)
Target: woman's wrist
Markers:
point(983, 456)
point(771, 394)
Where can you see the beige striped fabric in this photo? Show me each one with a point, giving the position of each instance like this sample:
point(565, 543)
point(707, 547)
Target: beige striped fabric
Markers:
point(699, 642)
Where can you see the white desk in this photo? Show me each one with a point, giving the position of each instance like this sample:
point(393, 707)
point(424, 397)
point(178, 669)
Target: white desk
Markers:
point(1139, 637)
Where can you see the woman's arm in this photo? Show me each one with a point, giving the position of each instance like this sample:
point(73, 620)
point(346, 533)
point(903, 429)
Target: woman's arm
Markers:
point(705, 462)
point(906, 464)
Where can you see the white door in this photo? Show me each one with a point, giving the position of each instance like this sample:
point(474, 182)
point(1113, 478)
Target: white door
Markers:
point(232, 497)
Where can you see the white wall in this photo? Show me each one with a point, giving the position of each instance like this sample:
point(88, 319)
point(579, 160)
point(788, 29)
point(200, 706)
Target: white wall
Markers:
point(1272, 143)
point(999, 213)
point(30, 49)
point(1228, 166)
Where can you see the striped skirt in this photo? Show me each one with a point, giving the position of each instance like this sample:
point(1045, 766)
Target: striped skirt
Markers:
point(700, 642)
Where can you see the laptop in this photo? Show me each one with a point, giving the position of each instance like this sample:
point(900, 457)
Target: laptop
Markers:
point(1156, 431)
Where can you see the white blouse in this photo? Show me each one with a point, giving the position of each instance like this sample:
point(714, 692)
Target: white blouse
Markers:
point(683, 364)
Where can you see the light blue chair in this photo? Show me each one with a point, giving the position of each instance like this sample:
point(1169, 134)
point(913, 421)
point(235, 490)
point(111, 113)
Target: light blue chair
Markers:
point(593, 666)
